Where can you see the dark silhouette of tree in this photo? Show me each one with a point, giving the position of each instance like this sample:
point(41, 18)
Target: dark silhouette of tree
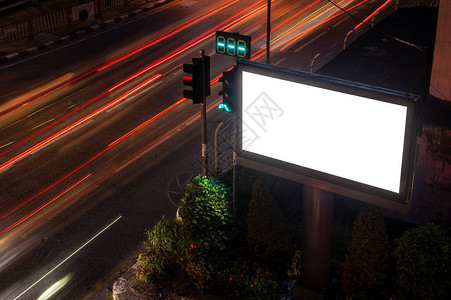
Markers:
point(266, 230)
point(423, 257)
point(364, 273)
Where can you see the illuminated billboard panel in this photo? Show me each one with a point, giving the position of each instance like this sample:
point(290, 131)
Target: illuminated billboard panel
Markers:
point(335, 131)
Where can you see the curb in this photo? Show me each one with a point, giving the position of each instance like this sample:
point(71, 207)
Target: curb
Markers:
point(80, 33)
point(122, 287)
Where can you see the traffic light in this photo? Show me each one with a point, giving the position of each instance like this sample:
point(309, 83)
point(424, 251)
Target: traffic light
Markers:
point(228, 91)
point(199, 79)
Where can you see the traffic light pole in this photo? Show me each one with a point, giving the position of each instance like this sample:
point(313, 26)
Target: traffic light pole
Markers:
point(203, 119)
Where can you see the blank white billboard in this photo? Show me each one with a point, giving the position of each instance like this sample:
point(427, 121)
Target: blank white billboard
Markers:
point(349, 136)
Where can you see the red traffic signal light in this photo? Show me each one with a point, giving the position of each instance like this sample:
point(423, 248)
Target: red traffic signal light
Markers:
point(199, 79)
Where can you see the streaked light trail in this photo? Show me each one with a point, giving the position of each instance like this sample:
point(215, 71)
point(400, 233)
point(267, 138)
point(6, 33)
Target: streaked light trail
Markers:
point(35, 211)
point(76, 124)
point(68, 257)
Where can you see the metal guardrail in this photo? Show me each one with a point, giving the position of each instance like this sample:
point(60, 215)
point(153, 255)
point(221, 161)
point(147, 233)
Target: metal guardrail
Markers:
point(322, 58)
point(56, 19)
point(223, 147)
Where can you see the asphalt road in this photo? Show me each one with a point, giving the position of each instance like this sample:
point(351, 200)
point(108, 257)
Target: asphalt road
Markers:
point(89, 150)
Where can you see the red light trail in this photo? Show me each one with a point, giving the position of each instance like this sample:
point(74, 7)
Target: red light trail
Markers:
point(223, 25)
point(162, 37)
point(78, 123)
point(227, 24)
point(375, 12)
point(35, 211)
point(165, 36)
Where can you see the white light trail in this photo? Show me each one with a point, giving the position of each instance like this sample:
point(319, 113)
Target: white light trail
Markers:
point(67, 258)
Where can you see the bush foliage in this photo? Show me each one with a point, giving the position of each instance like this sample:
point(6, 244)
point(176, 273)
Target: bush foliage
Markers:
point(368, 259)
point(423, 257)
point(207, 248)
point(266, 230)
point(164, 246)
point(206, 213)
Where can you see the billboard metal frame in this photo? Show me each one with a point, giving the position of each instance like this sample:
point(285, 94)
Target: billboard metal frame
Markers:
point(396, 201)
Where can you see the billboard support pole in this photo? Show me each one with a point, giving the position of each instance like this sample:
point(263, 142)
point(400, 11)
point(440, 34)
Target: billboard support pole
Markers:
point(317, 215)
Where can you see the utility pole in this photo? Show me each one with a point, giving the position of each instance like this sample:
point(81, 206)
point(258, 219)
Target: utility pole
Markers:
point(268, 31)
point(203, 117)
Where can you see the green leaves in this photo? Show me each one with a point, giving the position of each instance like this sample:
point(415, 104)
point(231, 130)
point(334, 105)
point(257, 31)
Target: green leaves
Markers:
point(207, 213)
point(424, 262)
point(368, 258)
point(266, 229)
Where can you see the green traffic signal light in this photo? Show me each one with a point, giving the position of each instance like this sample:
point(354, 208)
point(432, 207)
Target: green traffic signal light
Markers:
point(228, 91)
point(224, 107)
point(233, 44)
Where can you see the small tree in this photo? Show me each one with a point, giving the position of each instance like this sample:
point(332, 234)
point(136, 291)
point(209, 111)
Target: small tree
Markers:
point(423, 257)
point(206, 228)
point(266, 229)
point(206, 213)
point(164, 246)
point(368, 259)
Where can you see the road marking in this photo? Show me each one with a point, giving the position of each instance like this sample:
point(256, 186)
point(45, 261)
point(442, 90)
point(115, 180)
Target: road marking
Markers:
point(250, 31)
point(132, 97)
point(42, 123)
point(311, 41)
point(339, 23)
point(35, 112)
point(60, 137)
point(6, 144)
point(178, 72)
point(68, 257)
point(280, 61)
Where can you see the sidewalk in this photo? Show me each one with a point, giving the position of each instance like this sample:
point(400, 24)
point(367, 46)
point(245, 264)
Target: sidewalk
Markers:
point(19, 48)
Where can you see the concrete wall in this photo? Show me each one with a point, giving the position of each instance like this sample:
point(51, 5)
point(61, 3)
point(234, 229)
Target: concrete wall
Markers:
point(440, 86)
point(432, 189)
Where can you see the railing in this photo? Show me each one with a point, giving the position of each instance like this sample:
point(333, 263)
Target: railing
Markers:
point(103, 5)
point(322, 58)
point(57, 19)
point(223, 147)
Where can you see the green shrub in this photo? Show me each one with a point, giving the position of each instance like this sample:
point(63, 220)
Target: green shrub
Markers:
point(164, 247)
point(249, 278)
point(266, 230)
point(199, 268)
point(294, 271)
point(368, 259)
point(152, 268)
point(165, 241)
point(206, 228)
point(263, 283)
point(235, 278)
point(423, 265)
point(206, 214)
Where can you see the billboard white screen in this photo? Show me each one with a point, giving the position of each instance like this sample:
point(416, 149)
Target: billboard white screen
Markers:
point(344, 135)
